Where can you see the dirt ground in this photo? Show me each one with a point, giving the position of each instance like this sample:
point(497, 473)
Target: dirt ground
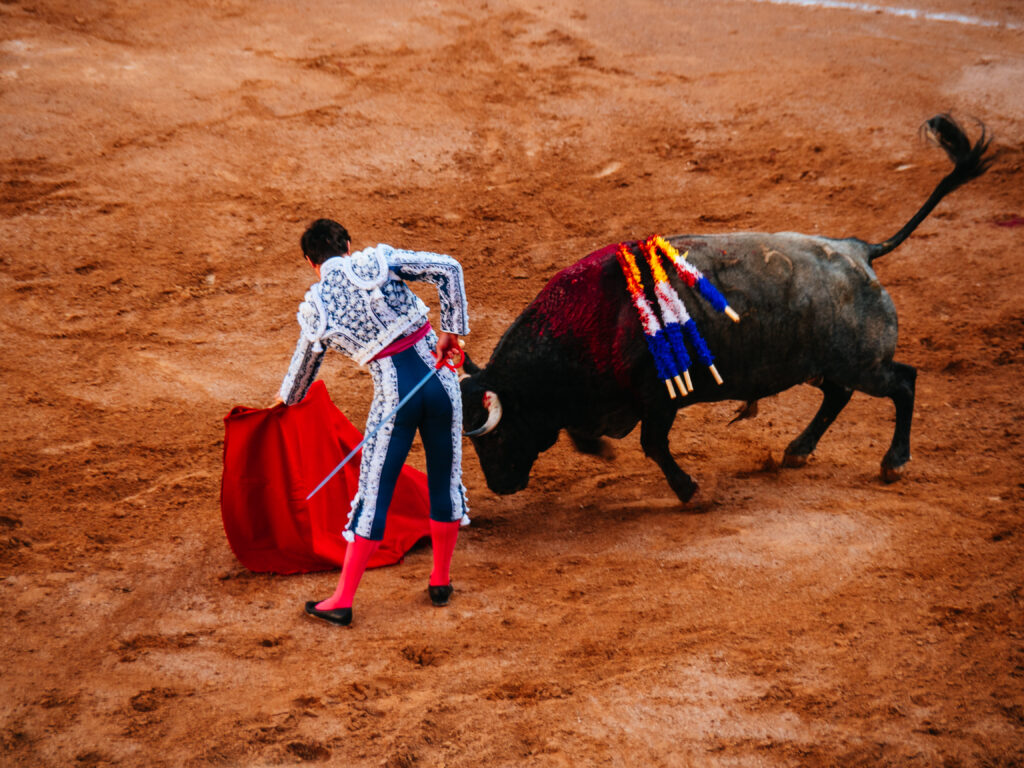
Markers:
point(158, 164)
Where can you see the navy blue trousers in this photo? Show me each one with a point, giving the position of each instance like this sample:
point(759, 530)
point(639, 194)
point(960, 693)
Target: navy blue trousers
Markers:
point(430, 412)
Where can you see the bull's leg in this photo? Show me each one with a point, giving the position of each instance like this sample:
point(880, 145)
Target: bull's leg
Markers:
point(592, 446)
point(836, 398)
point(900, 389)
point(654, 429)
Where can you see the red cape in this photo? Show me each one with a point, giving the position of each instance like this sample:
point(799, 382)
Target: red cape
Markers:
point(273, 458)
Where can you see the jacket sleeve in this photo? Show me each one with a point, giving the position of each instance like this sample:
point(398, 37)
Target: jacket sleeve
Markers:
point(306, 360)
point(446, 274)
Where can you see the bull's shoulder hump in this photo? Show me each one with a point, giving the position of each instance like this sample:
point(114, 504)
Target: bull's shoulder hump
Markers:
point(587, 268)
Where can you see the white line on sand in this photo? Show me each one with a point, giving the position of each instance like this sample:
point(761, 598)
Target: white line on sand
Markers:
point(908, 13)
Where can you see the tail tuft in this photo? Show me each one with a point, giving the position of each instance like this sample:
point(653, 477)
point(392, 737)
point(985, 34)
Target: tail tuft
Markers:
point(969, 162)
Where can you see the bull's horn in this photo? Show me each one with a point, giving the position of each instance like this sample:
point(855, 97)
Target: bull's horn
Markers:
point(493, 415)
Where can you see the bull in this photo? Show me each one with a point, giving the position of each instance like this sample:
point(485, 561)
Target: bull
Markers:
point(812, 311)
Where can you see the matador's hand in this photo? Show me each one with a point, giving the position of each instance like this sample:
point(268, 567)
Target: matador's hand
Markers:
point(447, 345)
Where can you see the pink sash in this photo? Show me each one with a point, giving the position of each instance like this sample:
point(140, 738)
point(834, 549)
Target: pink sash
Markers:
point(403, 343)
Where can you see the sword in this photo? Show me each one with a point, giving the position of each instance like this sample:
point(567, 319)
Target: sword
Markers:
point(442, 363)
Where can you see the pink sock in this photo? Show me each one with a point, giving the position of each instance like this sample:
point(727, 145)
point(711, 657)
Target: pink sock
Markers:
point(442, 538)
point(357, 555)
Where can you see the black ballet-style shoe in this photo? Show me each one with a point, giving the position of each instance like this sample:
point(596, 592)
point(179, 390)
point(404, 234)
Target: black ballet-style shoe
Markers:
point(342, 617)
point(439, 595)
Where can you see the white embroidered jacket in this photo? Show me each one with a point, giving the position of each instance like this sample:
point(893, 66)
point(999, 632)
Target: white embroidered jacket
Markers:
point(361, 305)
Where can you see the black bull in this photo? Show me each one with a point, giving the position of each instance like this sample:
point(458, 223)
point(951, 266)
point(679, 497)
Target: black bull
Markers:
point(812, 311)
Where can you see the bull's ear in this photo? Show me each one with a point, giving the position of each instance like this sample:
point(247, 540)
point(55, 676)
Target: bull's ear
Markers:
point(470, 367)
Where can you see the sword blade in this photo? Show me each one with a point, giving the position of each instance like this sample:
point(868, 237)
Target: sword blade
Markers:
point(374, 431)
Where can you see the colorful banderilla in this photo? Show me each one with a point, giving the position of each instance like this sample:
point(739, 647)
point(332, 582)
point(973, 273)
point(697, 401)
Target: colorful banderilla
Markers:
point(657, 343)
point(668, 344)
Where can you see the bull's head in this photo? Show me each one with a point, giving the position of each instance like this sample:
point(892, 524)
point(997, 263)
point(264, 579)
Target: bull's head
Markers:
point(502, 435)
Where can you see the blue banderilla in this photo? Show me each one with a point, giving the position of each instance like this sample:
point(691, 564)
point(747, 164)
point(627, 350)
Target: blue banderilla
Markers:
point(442, 363)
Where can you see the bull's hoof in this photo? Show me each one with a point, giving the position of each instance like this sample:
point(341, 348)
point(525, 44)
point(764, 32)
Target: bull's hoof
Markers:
point(794, 460)
point(685, 492)
point(890, 475)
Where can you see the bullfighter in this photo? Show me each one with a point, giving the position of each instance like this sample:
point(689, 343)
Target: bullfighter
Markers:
point(362, 307)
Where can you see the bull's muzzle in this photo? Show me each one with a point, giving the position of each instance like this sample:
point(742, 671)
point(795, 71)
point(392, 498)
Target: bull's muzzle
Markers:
point(493, 405)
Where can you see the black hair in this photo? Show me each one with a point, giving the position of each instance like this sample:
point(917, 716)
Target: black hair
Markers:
point(324, 239)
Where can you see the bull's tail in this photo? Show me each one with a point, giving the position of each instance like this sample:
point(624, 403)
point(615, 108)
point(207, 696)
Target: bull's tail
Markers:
point(969, 162)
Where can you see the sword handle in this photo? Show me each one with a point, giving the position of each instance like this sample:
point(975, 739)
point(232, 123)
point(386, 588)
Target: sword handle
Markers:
point(444, 362)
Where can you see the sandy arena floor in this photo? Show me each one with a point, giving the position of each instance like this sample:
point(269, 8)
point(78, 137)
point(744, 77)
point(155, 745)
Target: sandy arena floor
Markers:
point(158, 164)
